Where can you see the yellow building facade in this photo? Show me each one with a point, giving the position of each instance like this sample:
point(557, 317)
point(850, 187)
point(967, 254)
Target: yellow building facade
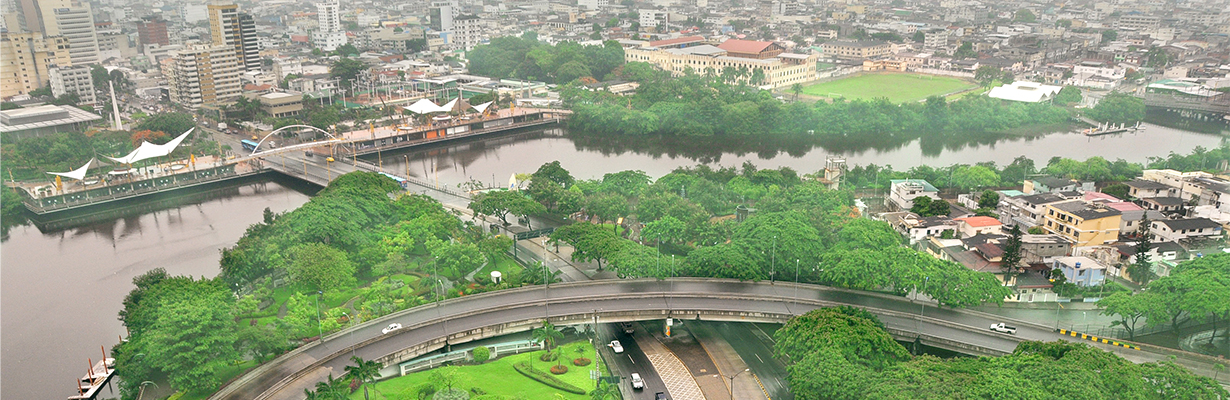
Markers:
point(25, 59)
point(1087, 225)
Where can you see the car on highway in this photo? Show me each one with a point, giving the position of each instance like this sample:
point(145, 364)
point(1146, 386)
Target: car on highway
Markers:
point(1000, 327)
point(627, 327)
point(637, 382)
point(392, 327)
point(616, 346)
point(660, 396)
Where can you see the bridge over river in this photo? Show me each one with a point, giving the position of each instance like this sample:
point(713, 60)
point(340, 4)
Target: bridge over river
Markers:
point(428, 328)
point(307, 161)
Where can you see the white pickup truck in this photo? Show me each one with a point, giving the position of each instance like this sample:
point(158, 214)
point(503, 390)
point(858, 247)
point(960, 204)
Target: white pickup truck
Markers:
point(1000, 327)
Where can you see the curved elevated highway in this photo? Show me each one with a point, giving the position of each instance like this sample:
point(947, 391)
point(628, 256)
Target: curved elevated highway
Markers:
point(428, 327)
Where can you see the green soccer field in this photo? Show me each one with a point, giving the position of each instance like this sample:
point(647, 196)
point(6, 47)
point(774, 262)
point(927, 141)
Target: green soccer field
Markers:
point(896, 87)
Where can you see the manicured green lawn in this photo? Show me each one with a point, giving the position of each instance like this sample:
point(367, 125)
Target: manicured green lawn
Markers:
point(499, 378)
point(504, 264)
point(897, 88)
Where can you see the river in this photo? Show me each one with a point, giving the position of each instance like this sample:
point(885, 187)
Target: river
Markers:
point(62, 287)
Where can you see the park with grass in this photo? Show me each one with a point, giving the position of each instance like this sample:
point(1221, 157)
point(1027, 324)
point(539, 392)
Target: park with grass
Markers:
point(499, 378)
point(893, 86)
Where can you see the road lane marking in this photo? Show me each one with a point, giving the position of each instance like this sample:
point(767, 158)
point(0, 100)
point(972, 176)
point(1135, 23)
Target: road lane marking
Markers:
point(630, 358)
point(758, 358)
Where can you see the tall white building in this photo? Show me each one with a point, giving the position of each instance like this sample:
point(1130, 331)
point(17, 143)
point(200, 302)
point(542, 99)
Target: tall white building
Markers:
point(468, 31)
point(77, 80)
point(75, 22)
point(203, 74)
point(329, 34)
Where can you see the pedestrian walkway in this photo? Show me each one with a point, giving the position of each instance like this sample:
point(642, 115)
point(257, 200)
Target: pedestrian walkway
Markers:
point(679, 382)
point(728, 363)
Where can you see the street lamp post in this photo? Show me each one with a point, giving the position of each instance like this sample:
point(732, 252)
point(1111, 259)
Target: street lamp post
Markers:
point(351, 320)
point(796, 280)
point(320, 335)
point(921, 306)
point(773, 263)
point(731, 388)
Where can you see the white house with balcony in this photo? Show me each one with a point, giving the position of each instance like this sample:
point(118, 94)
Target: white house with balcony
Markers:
point(904, 191)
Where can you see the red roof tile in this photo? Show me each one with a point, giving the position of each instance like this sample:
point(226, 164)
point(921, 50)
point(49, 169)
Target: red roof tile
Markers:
point(678, 40)
point(744, 46)
point(979, 222)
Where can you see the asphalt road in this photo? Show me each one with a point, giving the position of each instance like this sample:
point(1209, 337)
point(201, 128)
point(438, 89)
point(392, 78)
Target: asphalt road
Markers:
point(626, 295)
point(755, 347)
point(631, 360)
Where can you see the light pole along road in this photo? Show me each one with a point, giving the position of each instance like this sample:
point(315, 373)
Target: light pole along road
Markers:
point(652, 299)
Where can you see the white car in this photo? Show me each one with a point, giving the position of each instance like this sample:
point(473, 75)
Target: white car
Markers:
point(637, 382)
point(392, 327)
point(1000, 327)
point(619, 348)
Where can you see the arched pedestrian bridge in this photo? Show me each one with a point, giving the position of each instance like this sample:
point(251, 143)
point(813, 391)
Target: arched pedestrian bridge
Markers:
point(458, 320)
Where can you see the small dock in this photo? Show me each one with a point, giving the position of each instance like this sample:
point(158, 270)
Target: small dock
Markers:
point(97, 377)
point(1106, 128)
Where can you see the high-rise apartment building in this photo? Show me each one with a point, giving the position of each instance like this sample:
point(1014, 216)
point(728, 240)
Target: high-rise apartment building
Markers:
point(75, 80)
point(229, 27)
point(329, 34)
point(75, 22)
point(153, 31)
point(468, 31)
point(203, 74)
point(25, 59)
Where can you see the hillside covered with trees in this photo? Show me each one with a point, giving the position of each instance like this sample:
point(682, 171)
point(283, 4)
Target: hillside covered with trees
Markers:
point(844, 353)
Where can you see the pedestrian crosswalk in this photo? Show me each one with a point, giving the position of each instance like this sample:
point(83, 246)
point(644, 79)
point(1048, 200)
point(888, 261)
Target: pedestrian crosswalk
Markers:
point(675, 375)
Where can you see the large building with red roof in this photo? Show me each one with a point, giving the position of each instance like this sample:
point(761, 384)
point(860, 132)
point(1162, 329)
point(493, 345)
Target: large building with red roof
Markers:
point(751, 49)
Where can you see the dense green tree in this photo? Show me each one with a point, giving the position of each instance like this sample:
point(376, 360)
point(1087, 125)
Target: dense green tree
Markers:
point(173, 124)
point(1024, 15)
point(988, 199)
point(193, 336)
point(1141, 269)
point(1118, 108)
point(987, 74)
point(928, 207)
point(321, 267)
point(347, 70)
point(501, 203)
point(1011, 259)
point(666, 229)
point(607, 206)
point(1068, 95)
point(1109, 35)
point(971, 177)
point(590, 242)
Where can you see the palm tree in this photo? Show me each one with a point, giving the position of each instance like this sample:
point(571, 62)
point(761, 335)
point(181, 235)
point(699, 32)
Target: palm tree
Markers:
point(365, 371)
point(332, 389)
point(548, 335)
point(308, 394)
point(796, 88)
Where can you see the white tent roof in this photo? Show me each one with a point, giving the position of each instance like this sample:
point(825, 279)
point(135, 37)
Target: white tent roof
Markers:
point(424, 106)
point(1025, 91)
point(78, 173)
point(149, 150)
point(449, 106)
point(482, 107)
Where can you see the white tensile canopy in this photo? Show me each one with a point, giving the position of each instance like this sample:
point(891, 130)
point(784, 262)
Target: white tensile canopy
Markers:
point(447, 107)
point(78, 173)
point(149, 150)
point(424, 106)
point(482, 107)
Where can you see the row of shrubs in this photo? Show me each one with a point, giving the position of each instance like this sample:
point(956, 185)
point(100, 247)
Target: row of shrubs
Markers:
point(546, 379)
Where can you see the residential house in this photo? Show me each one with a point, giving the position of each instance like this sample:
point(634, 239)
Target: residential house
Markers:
point(1085, 224)
point(1049, 184)
point(902, 192)
point(1163, 204)
point(1036, 248)
point(1144, 189)
point(1175, 230)
point(973, 226)
point(1025, 211)
point(1082, 271)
